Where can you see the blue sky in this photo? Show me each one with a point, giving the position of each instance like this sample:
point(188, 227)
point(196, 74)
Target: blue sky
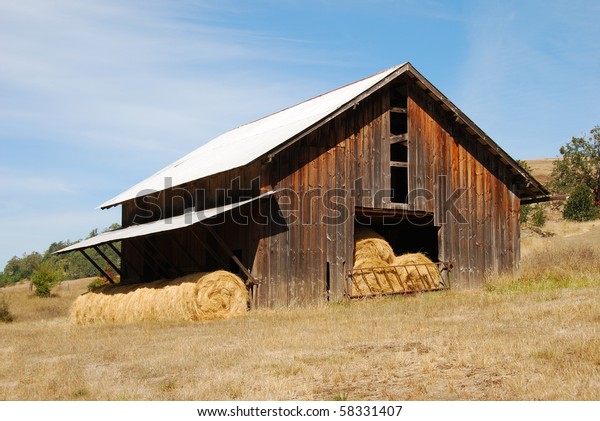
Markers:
point(97, 95)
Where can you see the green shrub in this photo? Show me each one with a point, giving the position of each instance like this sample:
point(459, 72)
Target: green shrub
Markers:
point(524, 214)
point(46, 277)
point(538, 217)
point(5, 314)
point(580, 205)
point(97, 283)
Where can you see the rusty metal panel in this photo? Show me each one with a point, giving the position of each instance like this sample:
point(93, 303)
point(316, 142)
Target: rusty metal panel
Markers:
point(402, 279)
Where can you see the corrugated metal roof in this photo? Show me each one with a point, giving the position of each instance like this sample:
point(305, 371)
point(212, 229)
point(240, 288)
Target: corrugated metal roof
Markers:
point(162, 225)
point(241, 146)
point(270, 134)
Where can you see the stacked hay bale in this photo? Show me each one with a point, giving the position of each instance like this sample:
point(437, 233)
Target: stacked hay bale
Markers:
point(199, 296)
point(370, 247)
point(376, 268)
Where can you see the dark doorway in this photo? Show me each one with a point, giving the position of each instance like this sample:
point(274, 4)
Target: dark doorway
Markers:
point(406, 235)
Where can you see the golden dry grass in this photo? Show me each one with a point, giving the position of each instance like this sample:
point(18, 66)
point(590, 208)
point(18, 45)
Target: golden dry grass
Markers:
point(538, 341)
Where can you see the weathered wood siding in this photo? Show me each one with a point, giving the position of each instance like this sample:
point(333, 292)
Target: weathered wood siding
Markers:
point(480, 230)
point(302, 255)
point(307, 259)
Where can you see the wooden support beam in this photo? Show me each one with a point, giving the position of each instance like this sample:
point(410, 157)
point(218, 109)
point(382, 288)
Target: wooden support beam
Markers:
point(399, 138)
point(399, 164)
point(105, 257)
point(186, 252)
point(141, 253)
point(399, 110)
point(108, 278)
point(125, 260)
point(544, 199)
point(116, 250)
point(232, 255)
point(165, 259)
point(208, 249)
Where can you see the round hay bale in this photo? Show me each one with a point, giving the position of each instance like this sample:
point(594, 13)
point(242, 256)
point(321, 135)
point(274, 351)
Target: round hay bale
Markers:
point(370, 262)
point(197, 296)
point(373, 276)
point(368, 245)
point(418, 272)
point(221, 294)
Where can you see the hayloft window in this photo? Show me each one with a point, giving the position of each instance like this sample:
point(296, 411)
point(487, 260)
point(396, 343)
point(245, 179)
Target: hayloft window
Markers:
point(398, 138)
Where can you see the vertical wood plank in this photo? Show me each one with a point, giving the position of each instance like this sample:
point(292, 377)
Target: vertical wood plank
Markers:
point(385, 146)
point(340, 231)
point(414, 137)
point(480, 212)
point(376, 150)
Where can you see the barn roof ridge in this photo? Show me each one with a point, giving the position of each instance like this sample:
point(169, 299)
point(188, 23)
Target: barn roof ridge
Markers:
point(271, 134)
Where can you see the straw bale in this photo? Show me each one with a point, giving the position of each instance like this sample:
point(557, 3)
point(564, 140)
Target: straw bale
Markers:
point(221, 294)
point(418, 272)
point(379, 278)
point(197, 296)
point(368, 245)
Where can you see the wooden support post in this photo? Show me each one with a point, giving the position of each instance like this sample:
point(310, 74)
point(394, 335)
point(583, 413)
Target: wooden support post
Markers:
point(124, 260)
point(105, 257)
point(232, 255)
point(96, 266)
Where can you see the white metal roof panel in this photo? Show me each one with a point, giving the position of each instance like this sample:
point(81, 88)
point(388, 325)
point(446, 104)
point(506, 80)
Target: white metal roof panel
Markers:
point(162, 225)
point(244, 144)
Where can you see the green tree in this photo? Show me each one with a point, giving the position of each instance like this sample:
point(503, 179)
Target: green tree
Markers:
point(46, 277)
point(580, 164)
point(580, 205)
point(524, 165)
point(19, 268)
point(73, 265)
point(112, 227)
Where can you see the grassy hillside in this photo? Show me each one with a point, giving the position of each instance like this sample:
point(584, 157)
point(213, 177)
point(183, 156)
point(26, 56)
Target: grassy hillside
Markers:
point(541, 169)
point(537, 338)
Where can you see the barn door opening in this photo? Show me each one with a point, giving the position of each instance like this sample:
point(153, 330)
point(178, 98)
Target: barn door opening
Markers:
point(396, 255)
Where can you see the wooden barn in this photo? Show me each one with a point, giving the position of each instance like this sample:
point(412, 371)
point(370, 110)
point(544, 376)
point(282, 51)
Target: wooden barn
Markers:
point(278, 200)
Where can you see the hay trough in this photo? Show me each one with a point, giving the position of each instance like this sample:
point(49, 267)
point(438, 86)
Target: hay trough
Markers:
point(377, 271)
point(199, 296)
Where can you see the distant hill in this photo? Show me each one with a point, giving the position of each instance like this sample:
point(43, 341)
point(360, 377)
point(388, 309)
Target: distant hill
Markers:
point(541, 169)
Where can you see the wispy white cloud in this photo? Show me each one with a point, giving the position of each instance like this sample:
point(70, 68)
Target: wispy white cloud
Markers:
point(17, 181)
point(94, 96)
point(122, 71)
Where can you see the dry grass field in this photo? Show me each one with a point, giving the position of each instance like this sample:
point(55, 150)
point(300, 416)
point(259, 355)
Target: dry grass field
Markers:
point(537, 338)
